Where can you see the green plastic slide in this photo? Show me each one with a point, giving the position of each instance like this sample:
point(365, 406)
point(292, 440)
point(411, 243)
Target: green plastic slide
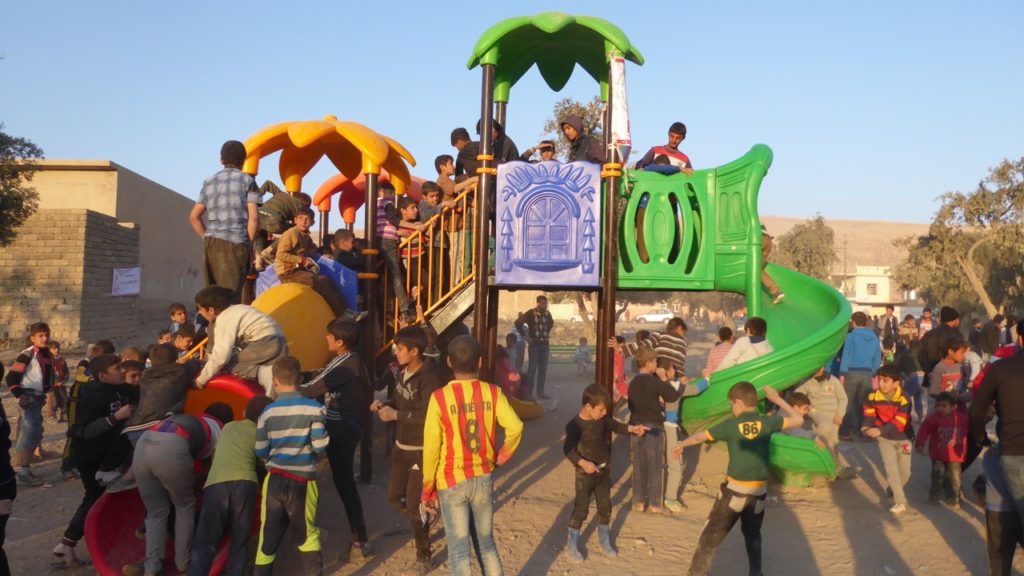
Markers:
point(805, 330)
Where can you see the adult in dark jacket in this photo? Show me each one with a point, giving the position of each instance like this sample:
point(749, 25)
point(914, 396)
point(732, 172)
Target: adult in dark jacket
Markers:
point(96, 441)
point(990, 333)
point(8, 485)
point(582, 147)
point(161, 391)
point(408, 407)
point(504, 149)
point(1004, 386)
point(933, 343)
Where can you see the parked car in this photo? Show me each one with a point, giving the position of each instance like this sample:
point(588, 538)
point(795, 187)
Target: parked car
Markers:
point(576, 318)
point(656, 316)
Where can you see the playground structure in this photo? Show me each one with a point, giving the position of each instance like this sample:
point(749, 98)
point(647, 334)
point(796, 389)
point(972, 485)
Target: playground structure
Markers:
point(571, 226)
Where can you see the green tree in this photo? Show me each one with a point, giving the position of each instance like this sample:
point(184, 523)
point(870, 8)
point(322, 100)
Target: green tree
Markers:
point(18, 200)
point(808, 248)
point(972, 252)
point(592, 114)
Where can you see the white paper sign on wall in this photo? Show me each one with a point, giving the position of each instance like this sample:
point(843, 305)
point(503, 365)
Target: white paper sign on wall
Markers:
point(126, 282)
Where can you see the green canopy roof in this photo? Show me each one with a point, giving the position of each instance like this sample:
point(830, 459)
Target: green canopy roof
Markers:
point(556, 43)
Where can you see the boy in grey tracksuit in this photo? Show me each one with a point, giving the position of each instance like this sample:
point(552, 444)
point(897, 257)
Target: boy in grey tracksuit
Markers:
point(828, 406)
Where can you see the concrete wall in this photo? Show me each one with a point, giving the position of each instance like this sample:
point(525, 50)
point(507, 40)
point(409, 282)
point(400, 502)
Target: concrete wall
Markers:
point(170, 252)
point(59, 271)
point(95, 216)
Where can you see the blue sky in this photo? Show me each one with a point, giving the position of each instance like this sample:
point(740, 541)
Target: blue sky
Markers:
point(873, 108)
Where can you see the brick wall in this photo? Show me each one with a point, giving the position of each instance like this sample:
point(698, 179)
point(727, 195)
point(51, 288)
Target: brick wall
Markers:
point(59, 270)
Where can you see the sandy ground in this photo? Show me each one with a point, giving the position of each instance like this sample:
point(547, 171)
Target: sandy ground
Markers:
point(839, 529)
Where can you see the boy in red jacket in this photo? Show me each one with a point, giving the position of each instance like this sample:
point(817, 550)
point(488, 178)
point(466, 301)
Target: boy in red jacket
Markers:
point(945, 433)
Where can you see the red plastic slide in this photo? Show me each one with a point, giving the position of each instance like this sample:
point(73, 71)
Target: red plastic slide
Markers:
point(111, 524)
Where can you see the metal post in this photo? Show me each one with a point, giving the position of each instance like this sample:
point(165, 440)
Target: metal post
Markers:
point(372, 325)
point(483, 208)
point(499, 113)
point(325, 228)
point(606, 315)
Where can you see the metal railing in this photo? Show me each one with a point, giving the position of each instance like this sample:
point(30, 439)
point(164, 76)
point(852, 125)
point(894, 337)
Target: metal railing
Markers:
point(438, 261)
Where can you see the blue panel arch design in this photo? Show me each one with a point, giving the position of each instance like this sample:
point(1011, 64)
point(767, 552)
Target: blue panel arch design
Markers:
point(549, 223)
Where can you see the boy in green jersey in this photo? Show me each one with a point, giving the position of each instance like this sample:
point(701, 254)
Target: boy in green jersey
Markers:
point(748, 436)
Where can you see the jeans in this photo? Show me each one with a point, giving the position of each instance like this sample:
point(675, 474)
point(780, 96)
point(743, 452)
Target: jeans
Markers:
point(30, 429)
point(730, 507)
point(538, 371)
point(912, 389)
point(458, 503)
point(946, 477)
point(389, 253)
point(674, 467)
point(227, 507)
point(857, 384)
point(896, 461)
point(599, 485)
point(1003, 532)
point(648, 454)
point(1013, 472)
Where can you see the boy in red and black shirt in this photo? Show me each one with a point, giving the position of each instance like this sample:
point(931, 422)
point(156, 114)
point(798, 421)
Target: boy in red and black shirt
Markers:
point(887, 419)
point(945, 433)
point(29, 380)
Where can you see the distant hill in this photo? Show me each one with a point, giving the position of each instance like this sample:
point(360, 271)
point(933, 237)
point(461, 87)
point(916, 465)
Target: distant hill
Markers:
point(867, 242)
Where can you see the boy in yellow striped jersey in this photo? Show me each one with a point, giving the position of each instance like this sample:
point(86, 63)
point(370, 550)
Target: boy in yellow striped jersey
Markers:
point(459, 454)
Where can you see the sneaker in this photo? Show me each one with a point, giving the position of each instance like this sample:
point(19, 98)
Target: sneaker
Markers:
point(779, 298)
point(107, 478)
point(69, 475)
point(120, 485)
point(674, 507)
point(137, 569)
point(67, 554)
point(898, 509)
point(27, 478)
point(353, 315)
point(366, 553)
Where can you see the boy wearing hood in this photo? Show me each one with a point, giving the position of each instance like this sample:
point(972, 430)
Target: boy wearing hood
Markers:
point(418, 380)
point(582, 147)
point(862, 355)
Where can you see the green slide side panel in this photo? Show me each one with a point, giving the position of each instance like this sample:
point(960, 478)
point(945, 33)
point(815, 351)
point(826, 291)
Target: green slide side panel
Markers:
point(701, 232)
point(805, 331)
point(797, 461)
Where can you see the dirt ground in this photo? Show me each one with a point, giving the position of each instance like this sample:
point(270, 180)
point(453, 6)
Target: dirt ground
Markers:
point(840, 529)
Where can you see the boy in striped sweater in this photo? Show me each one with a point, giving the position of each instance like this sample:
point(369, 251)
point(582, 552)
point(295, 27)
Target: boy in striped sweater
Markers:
point(459, 455)
point(290, 435)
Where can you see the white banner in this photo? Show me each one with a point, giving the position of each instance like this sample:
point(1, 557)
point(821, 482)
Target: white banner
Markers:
point(126, 282)
point(621, 138)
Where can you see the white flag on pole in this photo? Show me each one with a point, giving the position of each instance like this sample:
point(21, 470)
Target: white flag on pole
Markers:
point(621, 139)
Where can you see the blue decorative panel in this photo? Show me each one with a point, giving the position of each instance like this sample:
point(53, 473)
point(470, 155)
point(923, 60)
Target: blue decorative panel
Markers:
point(549, 224)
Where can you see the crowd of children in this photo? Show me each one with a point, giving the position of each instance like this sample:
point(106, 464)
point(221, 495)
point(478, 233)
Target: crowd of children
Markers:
point(126, 426)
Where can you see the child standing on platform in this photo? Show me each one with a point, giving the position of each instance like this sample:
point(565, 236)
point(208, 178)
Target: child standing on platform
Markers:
point(588, 445)
point(582, 356)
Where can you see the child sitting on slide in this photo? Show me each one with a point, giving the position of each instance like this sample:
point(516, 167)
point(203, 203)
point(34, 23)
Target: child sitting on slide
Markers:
point(294, 263)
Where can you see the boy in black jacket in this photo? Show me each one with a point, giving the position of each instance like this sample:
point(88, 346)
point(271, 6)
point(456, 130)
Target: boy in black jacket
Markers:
point(96, 441)
point(342, 385)
point(420, 378)
point(588, 445)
